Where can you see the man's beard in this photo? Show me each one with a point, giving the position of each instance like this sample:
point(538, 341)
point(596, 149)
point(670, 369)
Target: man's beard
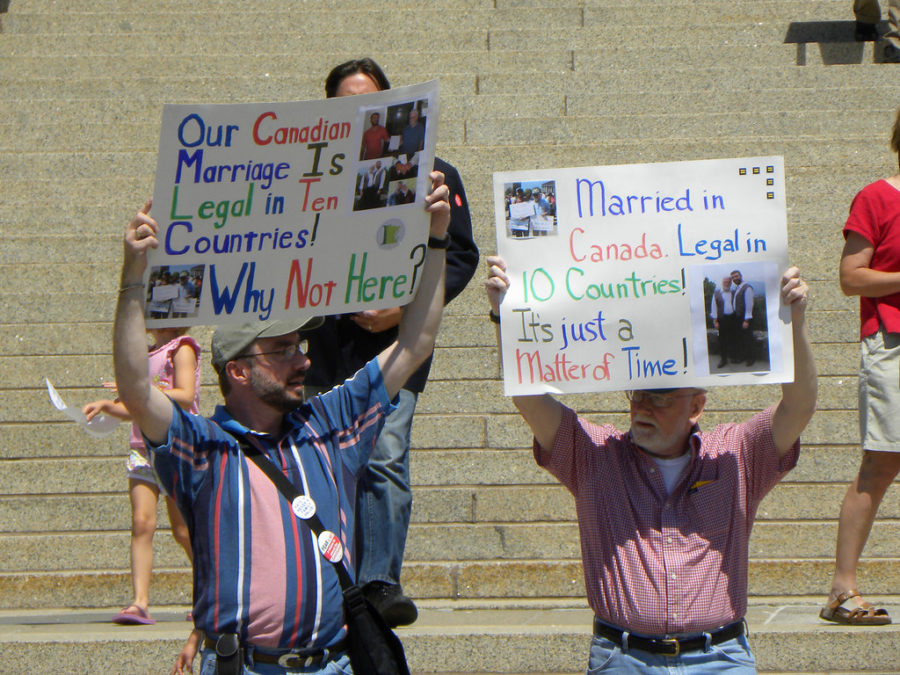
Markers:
point(273, 393)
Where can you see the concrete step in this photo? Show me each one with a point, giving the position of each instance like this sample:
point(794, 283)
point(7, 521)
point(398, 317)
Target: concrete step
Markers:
point(789, 8)
point(190, 89)
point(25, 68)
point(447, 579)
point(441, 506)
point(70, 111)
point(452, 637)
point(741, 17)
point(554, 59)
point(835, 393)
point(61, 552)
point(249, 21)
point(183, 88)
point(202, 7)
point(87, 137)
point(585, 28)
point(30, 113)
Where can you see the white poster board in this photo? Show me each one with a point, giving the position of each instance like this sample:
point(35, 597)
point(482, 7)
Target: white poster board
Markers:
point(615, 293)
point(265, 211)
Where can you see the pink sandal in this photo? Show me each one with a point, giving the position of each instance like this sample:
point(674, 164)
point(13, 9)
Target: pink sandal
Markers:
point(134, 615)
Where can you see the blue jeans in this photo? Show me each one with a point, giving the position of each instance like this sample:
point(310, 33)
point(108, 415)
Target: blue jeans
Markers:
point(338, 666)
point(731, 656)
point(384, 498)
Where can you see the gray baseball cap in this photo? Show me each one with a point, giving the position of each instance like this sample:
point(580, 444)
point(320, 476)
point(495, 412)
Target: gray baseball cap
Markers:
point(229, 341)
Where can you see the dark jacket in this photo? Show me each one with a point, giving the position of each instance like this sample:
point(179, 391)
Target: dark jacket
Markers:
point(339, 348)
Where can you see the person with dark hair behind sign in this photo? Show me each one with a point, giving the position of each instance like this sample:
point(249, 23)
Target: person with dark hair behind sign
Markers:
point(342, 344)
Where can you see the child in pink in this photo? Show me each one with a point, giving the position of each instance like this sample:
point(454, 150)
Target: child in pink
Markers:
point(175, 369)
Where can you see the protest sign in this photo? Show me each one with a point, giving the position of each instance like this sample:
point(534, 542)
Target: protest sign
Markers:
point(614, 273)
point(276, 210)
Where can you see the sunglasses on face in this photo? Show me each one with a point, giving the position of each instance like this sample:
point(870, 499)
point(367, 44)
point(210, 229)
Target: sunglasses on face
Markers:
point(655, 400)
point(283, 354)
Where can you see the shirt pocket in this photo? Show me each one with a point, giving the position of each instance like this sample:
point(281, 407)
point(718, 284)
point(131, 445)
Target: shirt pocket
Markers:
point(710, 508)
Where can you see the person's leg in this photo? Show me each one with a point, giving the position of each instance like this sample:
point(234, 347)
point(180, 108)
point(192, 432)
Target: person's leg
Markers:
point(732, 656)
point(179, 528)
point(607, 657)
point(868, 14)
point(726, 339)
point(144, 497)
point(384, 503)
point(747, 344)
point(892, 37)
point(867, 11)
point(876, 472)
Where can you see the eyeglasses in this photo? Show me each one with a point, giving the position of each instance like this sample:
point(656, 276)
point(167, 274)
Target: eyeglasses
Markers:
point(284, 354)
point(656, 400)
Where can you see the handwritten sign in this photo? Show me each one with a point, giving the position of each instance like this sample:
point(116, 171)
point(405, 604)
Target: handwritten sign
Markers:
point(274, 210)
point(616, 275)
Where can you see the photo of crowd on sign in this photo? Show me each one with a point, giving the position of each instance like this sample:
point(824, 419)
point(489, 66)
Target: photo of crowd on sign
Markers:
point(530, 209)
point(394, 136)
point(173, 291)
point(736, 323)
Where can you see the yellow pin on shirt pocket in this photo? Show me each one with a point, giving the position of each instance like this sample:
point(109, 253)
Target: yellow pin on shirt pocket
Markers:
point(710, 503)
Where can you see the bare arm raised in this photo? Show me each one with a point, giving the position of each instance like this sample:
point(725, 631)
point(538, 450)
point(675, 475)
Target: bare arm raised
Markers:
point(150, 409)
point(798, 398)
point(541, 412)
point(422, 317)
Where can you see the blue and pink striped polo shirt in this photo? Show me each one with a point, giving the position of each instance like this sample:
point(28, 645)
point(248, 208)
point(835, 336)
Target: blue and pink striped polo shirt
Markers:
point(257, 569)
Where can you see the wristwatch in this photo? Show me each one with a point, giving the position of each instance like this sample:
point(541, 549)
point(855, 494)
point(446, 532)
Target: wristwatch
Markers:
point(438, 242)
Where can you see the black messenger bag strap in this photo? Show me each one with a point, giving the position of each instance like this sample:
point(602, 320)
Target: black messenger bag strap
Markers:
point(374, 648)
point(290, 492)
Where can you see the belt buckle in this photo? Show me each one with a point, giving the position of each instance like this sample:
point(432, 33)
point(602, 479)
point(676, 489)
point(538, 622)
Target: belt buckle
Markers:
point(673, 642)
point(294, 660)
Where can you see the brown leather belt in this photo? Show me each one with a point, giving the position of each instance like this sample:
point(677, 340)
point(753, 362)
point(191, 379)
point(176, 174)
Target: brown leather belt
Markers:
point(671, 646)
point(296, 658)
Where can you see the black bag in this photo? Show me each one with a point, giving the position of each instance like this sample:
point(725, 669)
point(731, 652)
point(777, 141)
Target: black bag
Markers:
point(374, 648)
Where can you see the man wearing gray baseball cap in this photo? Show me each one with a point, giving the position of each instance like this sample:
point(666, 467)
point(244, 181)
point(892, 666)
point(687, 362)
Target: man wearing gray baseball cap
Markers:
point(264, 594)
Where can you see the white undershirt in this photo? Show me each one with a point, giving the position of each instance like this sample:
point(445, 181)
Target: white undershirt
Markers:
point(671, 469)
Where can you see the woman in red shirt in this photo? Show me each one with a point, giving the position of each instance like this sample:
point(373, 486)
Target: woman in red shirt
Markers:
point(870, 268)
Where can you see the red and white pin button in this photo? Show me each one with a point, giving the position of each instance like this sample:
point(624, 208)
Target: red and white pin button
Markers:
point(330, 546)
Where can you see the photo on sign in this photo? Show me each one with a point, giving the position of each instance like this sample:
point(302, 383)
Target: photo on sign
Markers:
point(401, 192)
point(173, 291)
point(389, 154)
point(407, 123)
point(530, 209)
point(375, 138)
point(735, 319)
point(371, 185)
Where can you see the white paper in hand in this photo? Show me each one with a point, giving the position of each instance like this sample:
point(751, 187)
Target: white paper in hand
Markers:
point(99, 426)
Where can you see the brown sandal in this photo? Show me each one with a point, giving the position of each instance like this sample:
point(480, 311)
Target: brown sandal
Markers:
point(864, 615)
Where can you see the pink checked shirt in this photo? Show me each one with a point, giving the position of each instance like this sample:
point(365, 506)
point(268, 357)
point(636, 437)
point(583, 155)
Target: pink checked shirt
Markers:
point(659, 565)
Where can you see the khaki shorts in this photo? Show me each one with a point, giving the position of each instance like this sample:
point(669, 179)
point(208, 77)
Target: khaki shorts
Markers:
point(879, 392)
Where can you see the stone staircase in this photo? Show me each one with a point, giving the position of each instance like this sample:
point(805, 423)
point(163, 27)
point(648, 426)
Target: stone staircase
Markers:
point(493, 553)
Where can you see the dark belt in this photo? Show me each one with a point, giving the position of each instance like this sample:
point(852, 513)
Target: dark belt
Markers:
point(296, 658)
point(670, 646)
